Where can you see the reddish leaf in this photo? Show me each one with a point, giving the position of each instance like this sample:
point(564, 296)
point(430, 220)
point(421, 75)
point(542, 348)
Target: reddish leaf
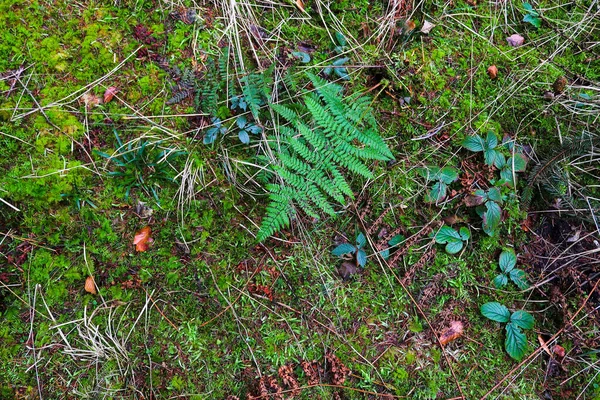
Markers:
point(453, 332)
point(492, 71)
point(142, 239)
point(110, 93)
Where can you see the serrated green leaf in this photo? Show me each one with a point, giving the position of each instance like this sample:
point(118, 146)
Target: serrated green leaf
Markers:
point(500, 161)
point(361, 258)
point(454, 247)
point(495, 311)
point(447, 235)
point(533, 20)
point(518, 277)
point(344, 248)
point(516, 342)
point(500, 281)
point(491, 141)
point(506, 175)
point(507, 261)
point(448, 175)
point(243, 136)
point(473, 143)
point(241, 121)
point(491, 218)
point(517, 163)
point(489, 156)
point(396, 240)
point(465, 234)
point(361, 240)
point(522, 319)
point(385, 253)
point(494, 195)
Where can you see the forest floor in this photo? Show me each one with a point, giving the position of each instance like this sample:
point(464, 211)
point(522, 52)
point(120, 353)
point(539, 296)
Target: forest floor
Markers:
point(141, 146)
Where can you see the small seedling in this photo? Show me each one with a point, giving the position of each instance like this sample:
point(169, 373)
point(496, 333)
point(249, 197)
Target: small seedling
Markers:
point(238, 103)
point(488, 208)
point(442, 178)
point(246, 128)
point(509, 168)
point(453, 240)
point(516, 341)
point(395, 241)
point(507, 262)
point(211, 133)
point(532, 16)
point(357, 250)
point(488, 146)
point(337, 66)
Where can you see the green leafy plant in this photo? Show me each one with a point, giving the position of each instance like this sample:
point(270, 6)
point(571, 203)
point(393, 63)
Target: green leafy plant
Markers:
point(329, 135)
point(488, 208)
point(532, 16)
point(211, 133)
point(337, 66)
point(246, 128)
point(516, 341)
point(145, 166)
point(442, 178)
point(488, 146)
point(509, 168)
point(507, 263)
point(392, 243)
point(356, 250)
point(454, 240)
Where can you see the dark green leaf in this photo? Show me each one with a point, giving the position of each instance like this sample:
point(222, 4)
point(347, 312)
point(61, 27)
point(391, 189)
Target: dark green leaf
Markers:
point(522, 319)
point(506, 175)
point(241, 121)
point(340, 38)
point(344, 248)
point(489, 156)
point(500, 281)
point(396, 240)
point(340, 61)
point(302, 56)
point(533, 20)
point(516, 342)
point(447, 235)
point(361, 240)
point(491, 218)
point(491, 141)
point(454, 247)
point(495, 195)
point(385, 253)
point(500, 161)
point(361, 258)
point(473, 143)
point(464, 233)
point(507, 261)
point(528, 7)
point(448, 175)
point(437, 193)
point(518, 277)
point(495, 311)
point(244, 137)
point(517, 162)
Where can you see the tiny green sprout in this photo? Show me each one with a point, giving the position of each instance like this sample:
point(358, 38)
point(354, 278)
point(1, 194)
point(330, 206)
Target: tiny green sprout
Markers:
point(246, 128)
point(532, 16)
point(211, 133)
point(454, 240)
point(442, 178)
point(357, 250)
point(507, 262)
point(392, 243)
point(515, 343)
point(488, 146)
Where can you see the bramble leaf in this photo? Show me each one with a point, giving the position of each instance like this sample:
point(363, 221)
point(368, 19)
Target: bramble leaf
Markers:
point(344, 248)
point(516, 342)
point(500, 281)
point(361, 258)
point(447, 234)
point(522, 319)
point(454, 247)
point(507, 261)
point(361, 240)
point(495, 311)
point(473, 143)
point(518, 277)
point(465, 234)
point(491, 218)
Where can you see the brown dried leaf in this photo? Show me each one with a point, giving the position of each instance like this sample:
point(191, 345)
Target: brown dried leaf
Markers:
point(492, 71)
point(409, 26)
point(142, 239)
point(90, 285)
point(110, 93)
point(453, 332)
point(515, 40)
point(347, 269)
point(427, 27)
point(90, 100)
point(473, 201)
point(560, 84)
point(300, 5)
point(559, 352)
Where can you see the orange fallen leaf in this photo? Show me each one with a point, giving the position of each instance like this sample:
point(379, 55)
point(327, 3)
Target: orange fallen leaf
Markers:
point(300, 5)
point(110, 93)
point(90, 285)
point(142, 239)
point(559, 352)
point(453, 332)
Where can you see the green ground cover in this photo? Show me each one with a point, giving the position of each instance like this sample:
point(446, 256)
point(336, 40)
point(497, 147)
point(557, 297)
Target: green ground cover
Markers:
point(333, 191)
